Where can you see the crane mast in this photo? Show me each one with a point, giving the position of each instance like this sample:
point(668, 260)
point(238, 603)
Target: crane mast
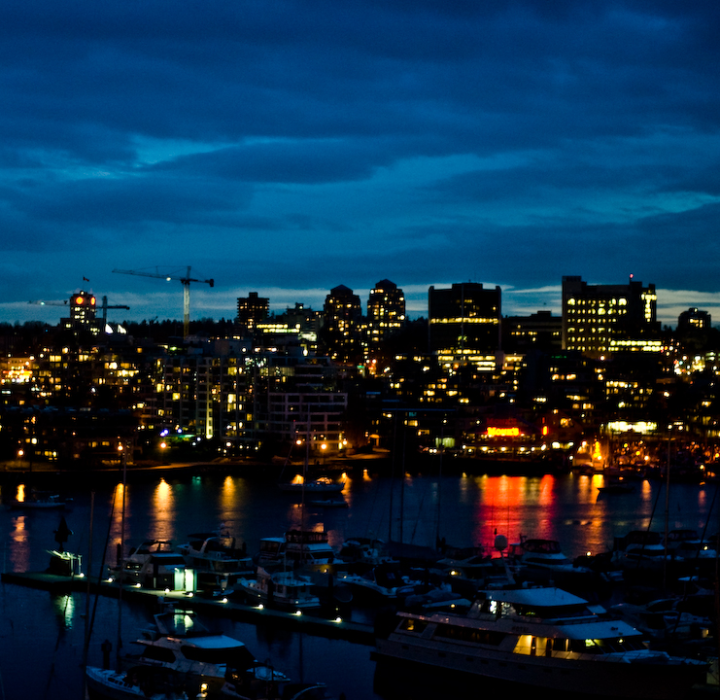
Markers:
point(184, 280)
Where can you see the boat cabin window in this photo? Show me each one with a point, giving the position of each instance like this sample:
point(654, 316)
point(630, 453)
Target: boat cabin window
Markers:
point(495, 607)
point(609, 646)
point(546, 646)
point(544, 546)
point(269, 547)
point(468, 634)
point(411, 625)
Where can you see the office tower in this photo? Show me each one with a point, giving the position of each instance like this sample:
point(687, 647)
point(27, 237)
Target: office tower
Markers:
point(464, 319)
point(607, 318)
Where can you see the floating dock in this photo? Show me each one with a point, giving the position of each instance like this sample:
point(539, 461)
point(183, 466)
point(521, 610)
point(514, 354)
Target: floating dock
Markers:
point(331, 628)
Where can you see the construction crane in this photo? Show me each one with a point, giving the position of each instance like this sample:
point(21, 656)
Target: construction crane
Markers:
point(186, 290)
point(105, 308)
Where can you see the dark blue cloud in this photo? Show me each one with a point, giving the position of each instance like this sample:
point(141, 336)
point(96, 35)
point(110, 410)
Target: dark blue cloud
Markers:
point(310, 142)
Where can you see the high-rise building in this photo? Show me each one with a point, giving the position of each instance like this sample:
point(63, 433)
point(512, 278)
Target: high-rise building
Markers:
point(694, 320)
point(251, 310)
point(464, 319)
point(385, 313)
point(342, 315)
point(607, 318)
point(83, 308)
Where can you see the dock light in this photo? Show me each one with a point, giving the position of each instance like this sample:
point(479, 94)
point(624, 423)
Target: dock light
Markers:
point(137, 585)
point(224, 600)
point(189, 594)
point(588, 554)
point(167, 590)
point(338, 619)
point(260, 607)
point(298, 612)
point(110, 580)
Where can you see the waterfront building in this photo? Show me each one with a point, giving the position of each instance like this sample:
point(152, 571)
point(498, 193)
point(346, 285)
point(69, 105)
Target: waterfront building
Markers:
point(598, 320)
point(207, 392)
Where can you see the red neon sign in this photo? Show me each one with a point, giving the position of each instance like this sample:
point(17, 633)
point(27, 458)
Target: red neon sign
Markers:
point(503, 432)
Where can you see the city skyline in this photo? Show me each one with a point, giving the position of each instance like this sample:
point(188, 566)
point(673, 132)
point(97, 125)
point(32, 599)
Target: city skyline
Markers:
point(287, 148)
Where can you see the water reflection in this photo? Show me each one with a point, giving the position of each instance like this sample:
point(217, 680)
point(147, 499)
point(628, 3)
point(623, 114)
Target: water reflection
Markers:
point(162, 515)
point(64, 609)
point(19, 544)
point(228, 499)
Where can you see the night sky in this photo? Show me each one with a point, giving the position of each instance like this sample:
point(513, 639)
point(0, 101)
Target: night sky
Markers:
point(287, 147)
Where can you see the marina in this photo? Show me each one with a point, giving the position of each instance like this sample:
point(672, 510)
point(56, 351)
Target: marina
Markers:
point(560, 511)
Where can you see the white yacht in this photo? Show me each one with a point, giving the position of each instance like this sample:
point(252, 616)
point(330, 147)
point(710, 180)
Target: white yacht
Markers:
point(280, 588)
point(307, 548)
point(217, 560)
point(540, 638)
point(138, 566)
point(179, 643)
point(539, 553)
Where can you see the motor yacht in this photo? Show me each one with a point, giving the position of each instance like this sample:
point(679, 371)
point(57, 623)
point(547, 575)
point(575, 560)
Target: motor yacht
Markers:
point(135, 683)
point(280, 588)
point(384, 582)
point(41, 500)
point(133, 568)
point(180, 643)
point(219, 563)
point(309, 549)
point(540, 638)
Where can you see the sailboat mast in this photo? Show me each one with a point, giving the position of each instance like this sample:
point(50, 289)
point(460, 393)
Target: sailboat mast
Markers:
point(122, 556)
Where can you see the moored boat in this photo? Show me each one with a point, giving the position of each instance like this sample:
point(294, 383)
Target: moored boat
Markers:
point(42, 500)
point(543, 638)
point(179, 643)
point(309, 549)
point(321, 485)
point(280, 588)
point(219, 563)
point(141, 683)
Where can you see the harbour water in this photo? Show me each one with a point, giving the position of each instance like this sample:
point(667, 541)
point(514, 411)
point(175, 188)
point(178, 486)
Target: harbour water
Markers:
point(42, 636)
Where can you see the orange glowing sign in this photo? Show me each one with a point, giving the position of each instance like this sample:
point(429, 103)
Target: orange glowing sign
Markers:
point(503, 432)
point(79, 300)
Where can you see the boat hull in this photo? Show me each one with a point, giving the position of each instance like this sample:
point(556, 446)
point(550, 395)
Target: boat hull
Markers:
point(591, 679)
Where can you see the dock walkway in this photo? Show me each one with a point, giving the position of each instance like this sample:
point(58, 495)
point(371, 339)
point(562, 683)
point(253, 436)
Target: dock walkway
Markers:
point(309, 624)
